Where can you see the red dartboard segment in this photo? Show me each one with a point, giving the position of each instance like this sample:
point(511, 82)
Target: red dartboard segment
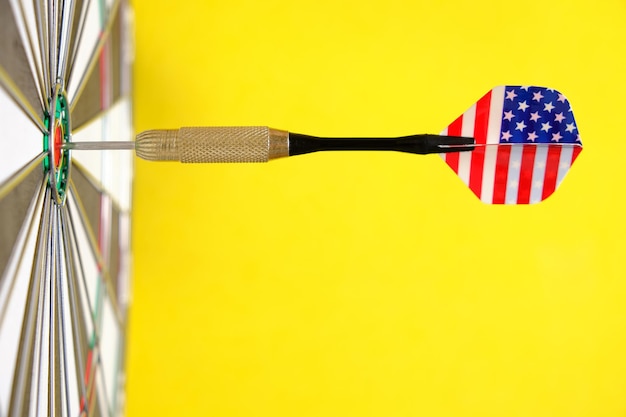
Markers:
point(527, 140)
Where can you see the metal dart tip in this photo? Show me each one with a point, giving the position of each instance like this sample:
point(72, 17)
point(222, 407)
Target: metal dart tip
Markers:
point(98, 146)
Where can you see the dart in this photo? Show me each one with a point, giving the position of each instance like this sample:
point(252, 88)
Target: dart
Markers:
point(513, 146)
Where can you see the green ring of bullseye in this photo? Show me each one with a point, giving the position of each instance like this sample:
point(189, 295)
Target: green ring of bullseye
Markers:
point(59, 174)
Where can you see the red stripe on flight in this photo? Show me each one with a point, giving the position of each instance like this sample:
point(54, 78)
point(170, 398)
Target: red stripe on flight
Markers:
point(481, 125)
point(501, 175)
point(552, 171)
point(526, 174)
point(452, 159)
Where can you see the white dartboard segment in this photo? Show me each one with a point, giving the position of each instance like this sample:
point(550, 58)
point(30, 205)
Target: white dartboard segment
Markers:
point(110, 169)
point(20, 140)
point(15, 71)
point(94, 22)
point(14, 291)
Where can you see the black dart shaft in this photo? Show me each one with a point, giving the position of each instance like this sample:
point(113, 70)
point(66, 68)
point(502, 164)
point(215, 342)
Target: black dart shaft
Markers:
point(417, 144)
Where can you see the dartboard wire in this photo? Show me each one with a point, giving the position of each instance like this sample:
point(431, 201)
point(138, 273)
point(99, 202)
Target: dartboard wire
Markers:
point(65, 37)
point(93, 58)
point(92, 399)
point(41, 319)
point(107, 205)
point(43, 94)
point(75, 307)
point(103, 398)
point(106, 276)
point(118, 367)
point(25, 358)
point(40, 327)
point(103, 281)
point(94, 309)
point(71, 225)
point(53, 38)
point(74, 45)
point(92, 358)
point(103, 384)
point(20, 100)
point(45, 400)
point(104, 227)
point(64, 329)
point(25, 231)
point(52, 354)
point(42, 30)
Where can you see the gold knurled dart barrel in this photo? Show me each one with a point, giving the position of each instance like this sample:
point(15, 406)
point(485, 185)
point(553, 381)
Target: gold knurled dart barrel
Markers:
point(213, 144)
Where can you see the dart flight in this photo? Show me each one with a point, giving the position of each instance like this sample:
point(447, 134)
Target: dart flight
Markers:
point(526, 139)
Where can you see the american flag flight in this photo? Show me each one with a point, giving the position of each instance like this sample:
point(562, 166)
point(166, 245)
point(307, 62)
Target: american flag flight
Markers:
point(531, 141)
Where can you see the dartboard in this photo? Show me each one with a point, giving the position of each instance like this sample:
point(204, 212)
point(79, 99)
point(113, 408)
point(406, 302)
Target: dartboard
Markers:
point(64, 215)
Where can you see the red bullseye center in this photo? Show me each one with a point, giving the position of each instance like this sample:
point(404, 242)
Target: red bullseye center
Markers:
point(58, 141)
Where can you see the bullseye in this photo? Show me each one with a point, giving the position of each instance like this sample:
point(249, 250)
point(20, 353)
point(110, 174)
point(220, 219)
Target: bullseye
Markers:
point(58, 141)
point(57, 164)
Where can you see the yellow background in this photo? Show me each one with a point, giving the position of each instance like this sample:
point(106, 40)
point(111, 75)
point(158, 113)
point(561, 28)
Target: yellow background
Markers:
point(374, 284)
